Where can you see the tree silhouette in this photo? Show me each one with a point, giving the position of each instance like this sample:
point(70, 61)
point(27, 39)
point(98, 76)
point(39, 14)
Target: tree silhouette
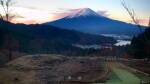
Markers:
point(6, 7)
point(149, 23)
point(143, 39)
point(131, 13)
point(7, 16)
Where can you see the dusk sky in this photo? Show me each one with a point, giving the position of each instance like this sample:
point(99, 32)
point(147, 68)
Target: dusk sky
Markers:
point(39, 11)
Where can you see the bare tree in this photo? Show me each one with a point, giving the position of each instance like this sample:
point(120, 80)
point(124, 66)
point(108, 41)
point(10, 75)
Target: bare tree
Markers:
point(1, 17)
point(149, 23)
point(135, 20)
point(131, 13)
point(6, 6)
point(7, 16)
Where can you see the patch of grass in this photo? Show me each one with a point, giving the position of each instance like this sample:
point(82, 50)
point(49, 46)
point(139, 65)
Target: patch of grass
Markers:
point(114, 78)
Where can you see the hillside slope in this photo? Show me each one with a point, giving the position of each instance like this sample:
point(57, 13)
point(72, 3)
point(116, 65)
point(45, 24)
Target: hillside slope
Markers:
point(45, 39)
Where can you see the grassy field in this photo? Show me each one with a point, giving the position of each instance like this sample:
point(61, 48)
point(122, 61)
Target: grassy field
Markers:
point(114, 78)
point(122, 75)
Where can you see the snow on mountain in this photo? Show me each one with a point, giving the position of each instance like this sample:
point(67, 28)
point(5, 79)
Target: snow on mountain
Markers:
point(83, 12)
point(88, 21)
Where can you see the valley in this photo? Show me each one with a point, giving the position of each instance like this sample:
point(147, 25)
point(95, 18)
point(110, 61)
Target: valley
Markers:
point(74, 42)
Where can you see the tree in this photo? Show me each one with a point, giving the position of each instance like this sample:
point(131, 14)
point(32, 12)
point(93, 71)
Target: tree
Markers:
point(133, 16)
point(6, 7)
point(7, 16)
point(131, 13)
point(149, 23)
point(141, 40)
point(11, 44)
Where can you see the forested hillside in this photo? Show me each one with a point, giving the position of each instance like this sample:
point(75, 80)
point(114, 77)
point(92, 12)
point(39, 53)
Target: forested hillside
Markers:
point(34, 39)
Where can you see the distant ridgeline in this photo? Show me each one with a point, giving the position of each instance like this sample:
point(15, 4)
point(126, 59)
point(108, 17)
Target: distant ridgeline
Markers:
point(40, 38)
point(140, 46)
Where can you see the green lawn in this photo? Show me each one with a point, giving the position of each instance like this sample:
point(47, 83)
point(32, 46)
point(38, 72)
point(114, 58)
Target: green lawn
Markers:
point(123, 77)
point(114, 78)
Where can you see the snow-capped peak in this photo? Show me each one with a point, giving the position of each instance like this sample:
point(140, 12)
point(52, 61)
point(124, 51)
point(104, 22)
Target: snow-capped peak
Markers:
point(83, 12)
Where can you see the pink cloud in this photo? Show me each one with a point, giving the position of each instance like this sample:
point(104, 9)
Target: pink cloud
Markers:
point(103, 13)
point(60, 15)
point(142, 21)
point(63, 13)
point(24, 20)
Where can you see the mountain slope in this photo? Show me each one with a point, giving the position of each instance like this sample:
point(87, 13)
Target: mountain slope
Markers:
point(86, 20)
point(45, 39)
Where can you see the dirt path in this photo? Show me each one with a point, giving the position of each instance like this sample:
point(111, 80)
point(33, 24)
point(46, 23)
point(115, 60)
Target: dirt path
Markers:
point(121, 76)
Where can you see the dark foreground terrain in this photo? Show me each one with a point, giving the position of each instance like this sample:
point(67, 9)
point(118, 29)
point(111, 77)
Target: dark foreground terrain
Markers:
point(58, 69)
point(53, 69)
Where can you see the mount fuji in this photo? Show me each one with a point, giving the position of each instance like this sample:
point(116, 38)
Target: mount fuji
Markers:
point(88, 21)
